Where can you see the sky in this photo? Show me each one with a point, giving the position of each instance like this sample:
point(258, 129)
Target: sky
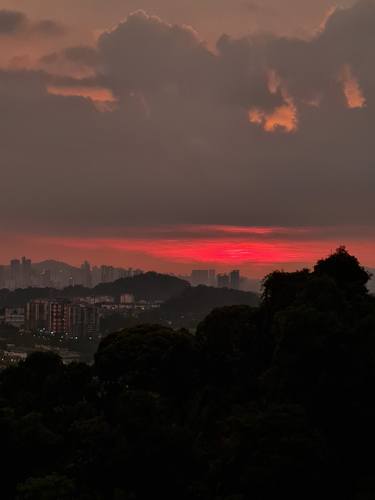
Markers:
point(176, 134)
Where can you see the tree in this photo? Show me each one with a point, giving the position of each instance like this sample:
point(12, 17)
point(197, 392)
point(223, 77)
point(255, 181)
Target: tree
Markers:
point(149, 357)
point(345, 270)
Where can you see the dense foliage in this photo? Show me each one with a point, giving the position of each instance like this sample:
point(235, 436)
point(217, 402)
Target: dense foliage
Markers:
point(271, 402)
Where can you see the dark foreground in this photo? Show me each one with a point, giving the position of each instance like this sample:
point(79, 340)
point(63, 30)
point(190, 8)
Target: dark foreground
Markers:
point(263, 403)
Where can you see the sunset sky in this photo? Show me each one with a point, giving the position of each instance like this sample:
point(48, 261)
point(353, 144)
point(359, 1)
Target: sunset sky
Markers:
point(171, 134)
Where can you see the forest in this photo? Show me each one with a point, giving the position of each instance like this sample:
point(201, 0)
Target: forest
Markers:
point(264, 402)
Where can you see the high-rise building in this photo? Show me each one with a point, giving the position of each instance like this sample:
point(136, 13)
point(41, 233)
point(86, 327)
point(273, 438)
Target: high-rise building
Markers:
point(15, 316)
point(81, 321)
point(212, 277)
point(107, 274)
point(62, 318)
point(2, 277)
point(37, 315)
point(15, 274)
point(86, 274)
point(200, 277)
point(96, 275)
point(235, 279)
point(45, 278)
point(58, 317)
point(127, 298)
point(223, 281)
point(25, 272)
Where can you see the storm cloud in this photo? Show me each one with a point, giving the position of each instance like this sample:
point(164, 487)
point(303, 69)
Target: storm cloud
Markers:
point(262, 130)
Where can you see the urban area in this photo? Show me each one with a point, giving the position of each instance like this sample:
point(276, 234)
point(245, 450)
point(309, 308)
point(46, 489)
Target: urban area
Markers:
point(56, 306)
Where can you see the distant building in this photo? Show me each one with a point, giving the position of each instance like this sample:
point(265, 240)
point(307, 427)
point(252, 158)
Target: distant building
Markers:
point(200, 277)
point(107, 274)
point(58, 316)
point(212, 277)
point(62, 318)
point(81, 321)
point(86, 277)
point(127, 298)
point(25, 273)
point(235, 280)
point(15, 316)
point(15, 274)
point(96, 275)
point(2, 277)
point(223, 281)
point(45, 279)
point(37, 315)
point(104, 299)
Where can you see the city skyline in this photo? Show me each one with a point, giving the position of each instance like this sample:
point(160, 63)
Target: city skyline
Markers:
point(24, 273)
point(256, 251)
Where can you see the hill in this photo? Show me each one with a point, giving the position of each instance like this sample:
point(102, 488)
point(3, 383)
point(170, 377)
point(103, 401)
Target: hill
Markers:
point(194, 303)
point(148, 286)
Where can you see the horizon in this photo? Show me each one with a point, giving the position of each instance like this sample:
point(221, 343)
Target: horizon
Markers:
point(255, 251)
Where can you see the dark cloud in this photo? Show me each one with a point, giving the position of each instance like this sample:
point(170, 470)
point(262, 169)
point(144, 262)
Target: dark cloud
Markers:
point(179, 147)
point(14, 23)
point(11, 22)
point(82, 56)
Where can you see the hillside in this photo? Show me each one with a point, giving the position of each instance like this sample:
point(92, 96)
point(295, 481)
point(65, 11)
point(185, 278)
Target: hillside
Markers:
point(194, 303)
point(148, 286)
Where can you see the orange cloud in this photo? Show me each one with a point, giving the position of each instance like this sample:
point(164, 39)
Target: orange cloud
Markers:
point(284, 117)
point(103, 98)
point(351, 88)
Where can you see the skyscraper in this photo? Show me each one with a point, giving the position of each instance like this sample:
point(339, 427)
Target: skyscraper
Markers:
point(223, 281)
point(235, 279)
point(107, 274)
point(200, 277)
point(212, 277)
point(86, 274)
point(25, 272)
point(37, 315)
point(15, 274)
point(2, 277)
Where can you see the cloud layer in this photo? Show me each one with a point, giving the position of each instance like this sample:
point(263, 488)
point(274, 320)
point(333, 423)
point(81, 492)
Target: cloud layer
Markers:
point(261, 131)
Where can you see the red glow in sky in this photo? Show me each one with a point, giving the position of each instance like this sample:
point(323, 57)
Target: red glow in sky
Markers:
point(255, 250)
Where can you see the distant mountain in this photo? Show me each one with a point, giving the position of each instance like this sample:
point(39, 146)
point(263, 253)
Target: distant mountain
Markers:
point(60, 272)
point(54, 266)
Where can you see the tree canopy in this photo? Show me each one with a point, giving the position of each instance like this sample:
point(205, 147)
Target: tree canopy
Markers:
point(267, 401)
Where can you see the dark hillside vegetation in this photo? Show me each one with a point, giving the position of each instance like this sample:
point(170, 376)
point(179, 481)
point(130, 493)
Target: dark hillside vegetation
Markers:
point(148, 286)
point(274, 401)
